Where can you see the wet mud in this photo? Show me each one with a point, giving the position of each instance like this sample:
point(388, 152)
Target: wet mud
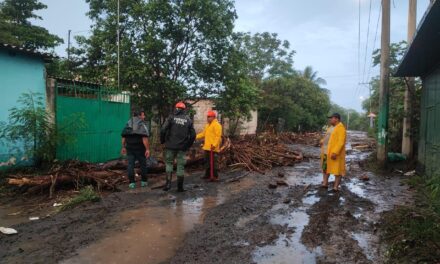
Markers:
point(240, 221)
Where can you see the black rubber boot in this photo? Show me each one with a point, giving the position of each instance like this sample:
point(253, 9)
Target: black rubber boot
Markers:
point(180, 184)
point(167, 186)
point(206, 175)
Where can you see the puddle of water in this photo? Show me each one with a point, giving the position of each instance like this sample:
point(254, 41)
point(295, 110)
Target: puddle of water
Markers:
point(303, 178)
point(364, 241)
point(356, 187)
point(157, 230)
point(288, 250)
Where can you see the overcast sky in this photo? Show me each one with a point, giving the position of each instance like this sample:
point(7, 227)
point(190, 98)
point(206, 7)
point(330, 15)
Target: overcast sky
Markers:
point(324, 34)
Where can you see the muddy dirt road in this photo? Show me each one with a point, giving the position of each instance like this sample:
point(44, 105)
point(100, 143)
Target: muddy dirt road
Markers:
point(234, 221)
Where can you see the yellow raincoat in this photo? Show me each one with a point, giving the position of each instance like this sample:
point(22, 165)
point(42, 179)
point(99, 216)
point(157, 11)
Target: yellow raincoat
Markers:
point(212, 133)
point(336, 145)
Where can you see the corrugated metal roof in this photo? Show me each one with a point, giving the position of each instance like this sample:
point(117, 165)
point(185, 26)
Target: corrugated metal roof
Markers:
point(423, 54)
point(45, 56)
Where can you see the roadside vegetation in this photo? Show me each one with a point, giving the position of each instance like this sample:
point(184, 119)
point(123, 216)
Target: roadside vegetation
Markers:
point(86, 194)
point(412, 232)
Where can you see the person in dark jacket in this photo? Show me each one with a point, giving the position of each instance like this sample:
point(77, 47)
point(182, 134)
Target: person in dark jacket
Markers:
point(136, 146)
point(178, 135)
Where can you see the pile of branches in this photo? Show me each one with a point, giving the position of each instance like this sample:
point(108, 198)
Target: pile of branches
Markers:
point(254, 153)
point(259, 153)
point(69, 174)
point(308, 138)
point(76, 174)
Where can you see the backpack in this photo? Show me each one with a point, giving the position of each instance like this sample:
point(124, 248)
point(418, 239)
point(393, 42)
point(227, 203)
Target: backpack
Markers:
point(135, 126)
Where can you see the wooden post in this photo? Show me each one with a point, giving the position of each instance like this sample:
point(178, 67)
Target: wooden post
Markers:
point(382, 136)
point(407, 139)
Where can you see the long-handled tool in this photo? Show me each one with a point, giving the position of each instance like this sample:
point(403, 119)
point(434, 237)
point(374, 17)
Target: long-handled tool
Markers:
point(211, 163)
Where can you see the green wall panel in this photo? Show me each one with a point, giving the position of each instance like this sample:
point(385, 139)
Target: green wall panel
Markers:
point(100, 139)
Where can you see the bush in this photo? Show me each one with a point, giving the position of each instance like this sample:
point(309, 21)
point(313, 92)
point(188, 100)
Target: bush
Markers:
point(32, 131)
point(87, 194)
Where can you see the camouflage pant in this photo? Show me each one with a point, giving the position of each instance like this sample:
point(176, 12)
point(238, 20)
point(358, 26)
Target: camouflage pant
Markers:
point(179, 155)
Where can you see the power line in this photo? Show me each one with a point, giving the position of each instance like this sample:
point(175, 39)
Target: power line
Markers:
point(366, 43)
point(359, 45)
point(374, 42)
point(359, 39)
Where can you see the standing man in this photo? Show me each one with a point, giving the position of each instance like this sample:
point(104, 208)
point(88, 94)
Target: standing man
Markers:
point(135, 145)
point(178, 135)
point(212, 133)
point(333, 152)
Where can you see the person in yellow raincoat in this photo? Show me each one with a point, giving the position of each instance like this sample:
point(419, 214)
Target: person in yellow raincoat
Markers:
point(212, 133)
point(333, 152)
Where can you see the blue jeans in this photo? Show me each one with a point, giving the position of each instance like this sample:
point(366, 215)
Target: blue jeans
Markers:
point(140, 157)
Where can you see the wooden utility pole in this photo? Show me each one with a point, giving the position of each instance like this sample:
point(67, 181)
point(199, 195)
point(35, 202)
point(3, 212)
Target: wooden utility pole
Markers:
point(382, 127)
point(407, 139)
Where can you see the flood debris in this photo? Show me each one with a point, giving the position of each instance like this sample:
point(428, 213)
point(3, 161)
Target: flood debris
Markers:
point(364, 177)
point(253, 153)
point(8, 231)
point(261, 153)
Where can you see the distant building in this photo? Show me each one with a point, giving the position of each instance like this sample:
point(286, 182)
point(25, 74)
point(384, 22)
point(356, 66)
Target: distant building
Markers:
point(21, 71)
point(423, 60)
point(201, 107)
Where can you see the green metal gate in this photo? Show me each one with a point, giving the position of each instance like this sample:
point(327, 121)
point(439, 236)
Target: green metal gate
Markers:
point(104, 113)
point(429, 145)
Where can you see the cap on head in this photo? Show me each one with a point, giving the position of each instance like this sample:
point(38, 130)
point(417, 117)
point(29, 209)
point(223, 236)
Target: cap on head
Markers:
point(180, 105)
point(336, 115)
point(211, 114)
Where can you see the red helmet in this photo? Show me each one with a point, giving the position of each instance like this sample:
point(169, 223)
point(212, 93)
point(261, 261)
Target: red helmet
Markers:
point(180, 105)
point(211, 114)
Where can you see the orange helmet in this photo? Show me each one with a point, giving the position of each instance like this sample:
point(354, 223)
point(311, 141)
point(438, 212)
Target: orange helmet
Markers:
point(180, 105)
point(211, 114)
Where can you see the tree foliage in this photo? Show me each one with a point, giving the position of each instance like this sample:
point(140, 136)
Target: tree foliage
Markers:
point(170, 50)
point(16, 27)
point(397, 96)
point(293, 103)
point(358, 121)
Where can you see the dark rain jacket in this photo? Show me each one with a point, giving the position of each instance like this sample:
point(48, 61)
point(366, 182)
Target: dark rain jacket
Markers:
point(133, 132)
point(177, 133)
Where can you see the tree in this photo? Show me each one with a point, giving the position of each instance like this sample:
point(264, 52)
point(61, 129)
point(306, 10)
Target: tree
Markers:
point(16, 27)
point(170, 50)
point(358, 121)
point(312, 75)
point(293, 103)
point(267, 55)
point(239, 96)
point(397, 95)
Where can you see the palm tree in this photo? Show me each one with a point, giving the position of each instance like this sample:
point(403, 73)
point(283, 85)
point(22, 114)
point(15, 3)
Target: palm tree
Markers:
point(312, 75)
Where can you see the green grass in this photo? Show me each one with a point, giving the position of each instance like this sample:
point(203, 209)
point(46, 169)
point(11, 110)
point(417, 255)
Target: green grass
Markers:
point(87, 194)
point(412, 233)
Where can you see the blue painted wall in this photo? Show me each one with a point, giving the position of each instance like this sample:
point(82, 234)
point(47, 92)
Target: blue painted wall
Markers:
point(19, 73)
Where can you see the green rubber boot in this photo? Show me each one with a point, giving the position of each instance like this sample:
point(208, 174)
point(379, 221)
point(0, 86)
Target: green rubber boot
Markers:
point(132, 185)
